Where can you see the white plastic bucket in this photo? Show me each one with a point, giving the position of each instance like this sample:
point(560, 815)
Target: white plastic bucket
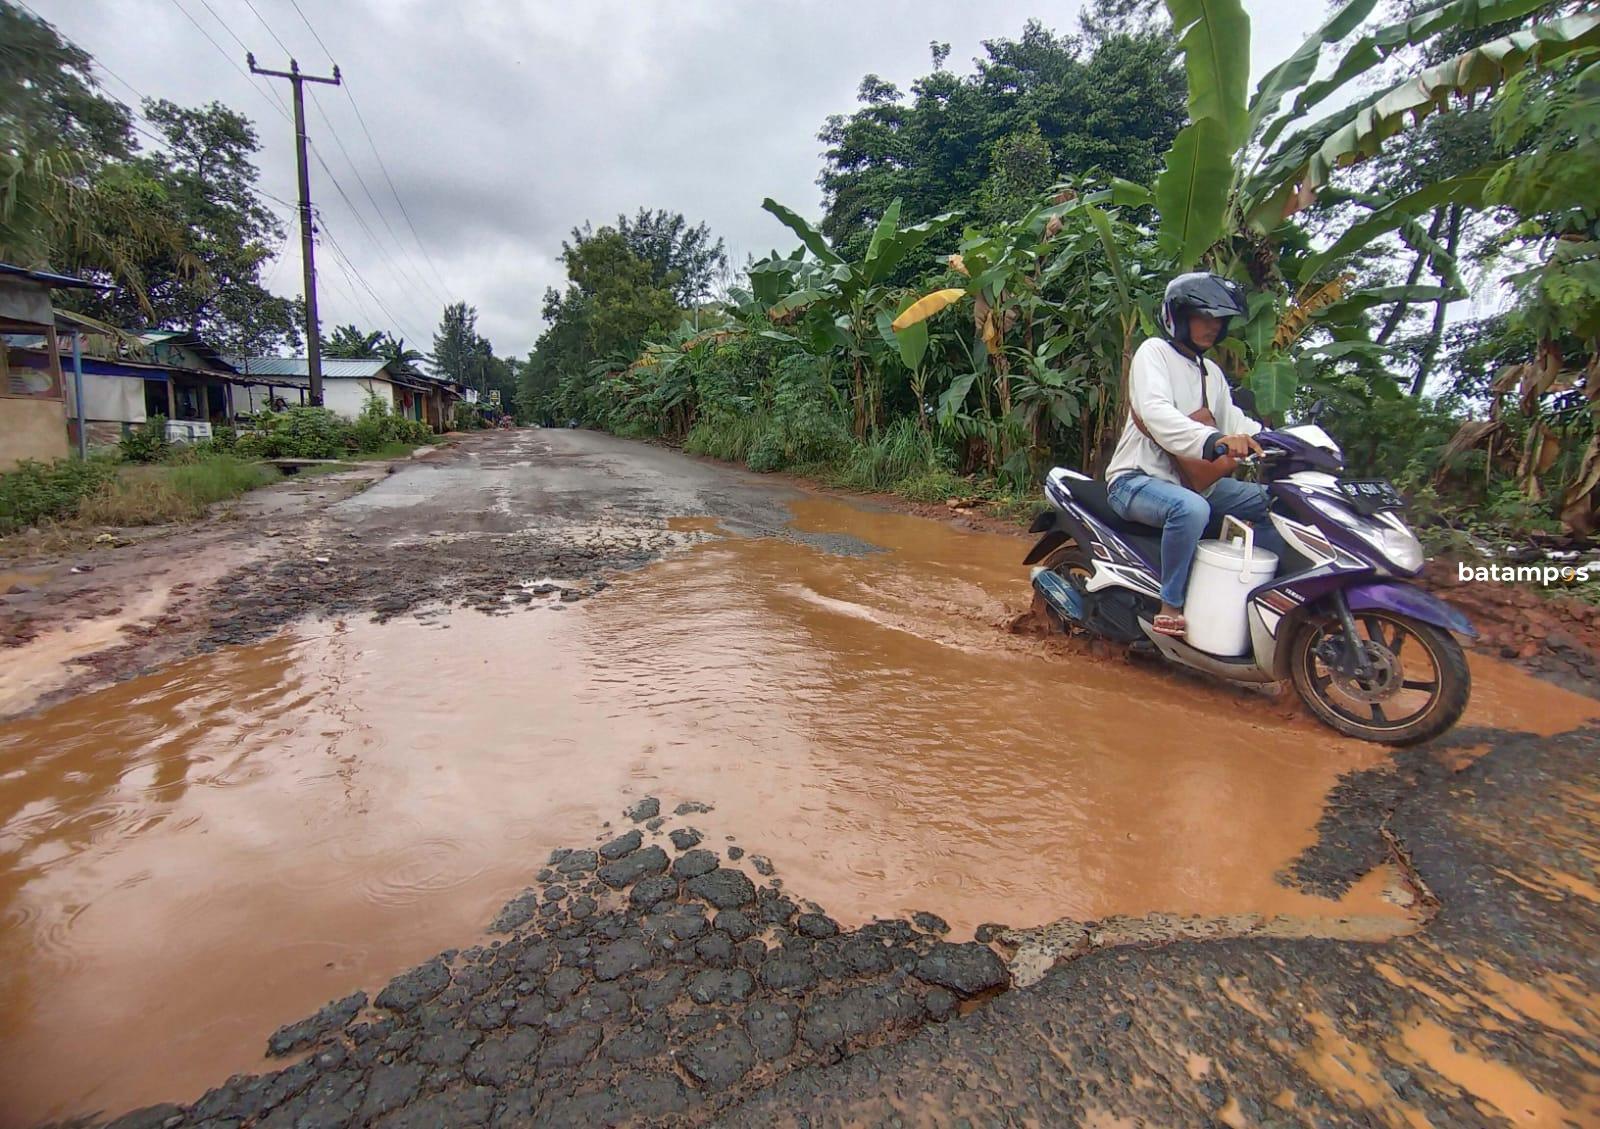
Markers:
point(1220, 582)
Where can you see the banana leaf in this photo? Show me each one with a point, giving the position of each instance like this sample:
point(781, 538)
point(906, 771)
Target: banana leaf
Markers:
point(1360, 300)
point(1372, 49)
point(810, 236)
point(885, 230)
point(901, 243)
point(1274, 384)
point(1412, 100)
point(926, 306)
point(1192, 191)
point(1215, 38)
point(1467, 189)
point(796, 300)
point(1298, 68)
point(1415, 235)
point(953, 397)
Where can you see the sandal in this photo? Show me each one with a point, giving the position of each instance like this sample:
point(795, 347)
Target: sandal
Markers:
point(1170, 625)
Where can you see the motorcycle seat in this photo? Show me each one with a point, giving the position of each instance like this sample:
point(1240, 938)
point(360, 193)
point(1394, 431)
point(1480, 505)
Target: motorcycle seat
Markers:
point(1144, 539)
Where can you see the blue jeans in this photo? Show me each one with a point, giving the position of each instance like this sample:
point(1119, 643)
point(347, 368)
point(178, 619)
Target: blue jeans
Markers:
point(1184, 517)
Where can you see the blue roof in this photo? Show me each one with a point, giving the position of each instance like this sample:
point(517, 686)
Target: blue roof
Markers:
point(57, 281)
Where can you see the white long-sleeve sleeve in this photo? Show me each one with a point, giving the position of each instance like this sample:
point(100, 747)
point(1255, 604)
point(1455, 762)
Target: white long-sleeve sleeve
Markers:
point(1150, 388)
point(1164, 387)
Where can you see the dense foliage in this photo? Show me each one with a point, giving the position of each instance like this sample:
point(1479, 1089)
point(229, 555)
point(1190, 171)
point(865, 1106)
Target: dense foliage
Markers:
point(1035, 110)
point(317, 433)
point(984, 269)
point(35, 491)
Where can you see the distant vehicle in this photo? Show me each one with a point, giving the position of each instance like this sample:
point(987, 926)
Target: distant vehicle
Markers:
point(572, 423)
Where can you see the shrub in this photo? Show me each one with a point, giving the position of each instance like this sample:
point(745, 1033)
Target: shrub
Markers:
point(36, 491)
point(378, 427)
point(146, 443)
point(299, 433)
point(724, 436)
point(895, 454)
point(465, 417)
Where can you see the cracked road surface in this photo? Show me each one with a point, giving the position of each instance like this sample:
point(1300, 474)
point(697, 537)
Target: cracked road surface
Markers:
point(903, 865)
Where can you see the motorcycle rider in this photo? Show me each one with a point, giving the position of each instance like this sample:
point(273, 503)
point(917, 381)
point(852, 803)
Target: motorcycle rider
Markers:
point(1179, 405)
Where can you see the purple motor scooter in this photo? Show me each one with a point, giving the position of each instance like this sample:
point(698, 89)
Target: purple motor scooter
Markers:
point(1372, 655)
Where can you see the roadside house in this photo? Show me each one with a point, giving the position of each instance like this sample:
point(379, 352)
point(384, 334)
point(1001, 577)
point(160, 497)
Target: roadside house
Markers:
point(33, 408)
point(127, 379)
point(347, 384)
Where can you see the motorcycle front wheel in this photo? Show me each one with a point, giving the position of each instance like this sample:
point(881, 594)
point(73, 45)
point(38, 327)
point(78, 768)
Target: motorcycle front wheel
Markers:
point(1416, 688)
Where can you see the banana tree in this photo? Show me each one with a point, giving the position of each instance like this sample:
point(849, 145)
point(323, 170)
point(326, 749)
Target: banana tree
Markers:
point(1070, 260)
point(834, 303)
point(1242, 167)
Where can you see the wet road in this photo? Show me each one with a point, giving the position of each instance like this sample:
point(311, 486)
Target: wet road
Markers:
point(192, 858)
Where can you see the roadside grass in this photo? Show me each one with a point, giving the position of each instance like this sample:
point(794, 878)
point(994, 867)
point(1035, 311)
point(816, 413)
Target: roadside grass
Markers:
point(726, 437)
point(36, 492)
point(158, 493)
point(902, 460)
point(889, 458)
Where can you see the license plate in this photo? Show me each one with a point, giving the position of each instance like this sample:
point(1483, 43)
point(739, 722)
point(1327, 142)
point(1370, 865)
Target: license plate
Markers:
point(1370, 495)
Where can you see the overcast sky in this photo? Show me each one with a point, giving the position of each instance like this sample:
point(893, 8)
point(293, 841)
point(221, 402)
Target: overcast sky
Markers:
point(505, 123)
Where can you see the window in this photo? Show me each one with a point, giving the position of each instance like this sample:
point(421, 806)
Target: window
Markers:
point(29, 367)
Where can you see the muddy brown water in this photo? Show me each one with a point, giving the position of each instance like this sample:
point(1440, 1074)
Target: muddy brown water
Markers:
point(190, 859)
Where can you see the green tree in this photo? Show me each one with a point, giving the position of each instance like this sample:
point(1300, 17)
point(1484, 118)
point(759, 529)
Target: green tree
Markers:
point(49, 95)
point(683, 258)
point(393, 349)
point(550, 385)
point(205, 182)
point(462, 354)
point(348, 341)
point(1110, 99)
point(624, 297)
point(456, 354)
point(68, 198)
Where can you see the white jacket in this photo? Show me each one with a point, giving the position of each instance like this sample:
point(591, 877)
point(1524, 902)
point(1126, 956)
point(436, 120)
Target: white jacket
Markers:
point(1164, 386)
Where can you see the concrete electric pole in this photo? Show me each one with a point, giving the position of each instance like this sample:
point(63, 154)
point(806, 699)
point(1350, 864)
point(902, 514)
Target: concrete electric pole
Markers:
point(307, 253)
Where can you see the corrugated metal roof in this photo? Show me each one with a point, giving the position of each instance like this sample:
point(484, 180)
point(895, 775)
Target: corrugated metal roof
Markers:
point(59, 281)
point(333, 368)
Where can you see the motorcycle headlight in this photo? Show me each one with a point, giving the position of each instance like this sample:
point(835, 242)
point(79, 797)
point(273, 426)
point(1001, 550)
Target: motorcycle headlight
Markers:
point(1402, 548)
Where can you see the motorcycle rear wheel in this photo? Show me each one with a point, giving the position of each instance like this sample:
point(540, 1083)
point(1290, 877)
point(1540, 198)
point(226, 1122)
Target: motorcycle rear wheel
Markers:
point(1068, 561)
point(1434, 671)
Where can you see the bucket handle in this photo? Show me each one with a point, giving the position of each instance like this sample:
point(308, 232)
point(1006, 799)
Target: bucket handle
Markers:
point(1249, 545)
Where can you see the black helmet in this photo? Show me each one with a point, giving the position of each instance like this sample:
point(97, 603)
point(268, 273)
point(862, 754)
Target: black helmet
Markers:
point(1202, 293)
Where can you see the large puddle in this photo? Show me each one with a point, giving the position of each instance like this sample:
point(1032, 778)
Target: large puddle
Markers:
point(193, 858)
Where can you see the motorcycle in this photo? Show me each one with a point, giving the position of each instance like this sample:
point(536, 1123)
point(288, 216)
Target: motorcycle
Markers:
point(1371, 655)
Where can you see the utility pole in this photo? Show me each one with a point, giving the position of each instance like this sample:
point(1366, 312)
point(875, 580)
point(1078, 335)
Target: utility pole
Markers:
point(307, 255)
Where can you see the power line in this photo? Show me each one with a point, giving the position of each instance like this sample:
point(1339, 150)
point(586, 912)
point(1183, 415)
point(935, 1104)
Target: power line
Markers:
point(373, 145)
point(265, 24)
point(361, 180)
point(243, 46)
point(348, 203)
point(312, 30)
point(339, 253)
point(277, 101)
point(353, 293)
point(392, 189)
